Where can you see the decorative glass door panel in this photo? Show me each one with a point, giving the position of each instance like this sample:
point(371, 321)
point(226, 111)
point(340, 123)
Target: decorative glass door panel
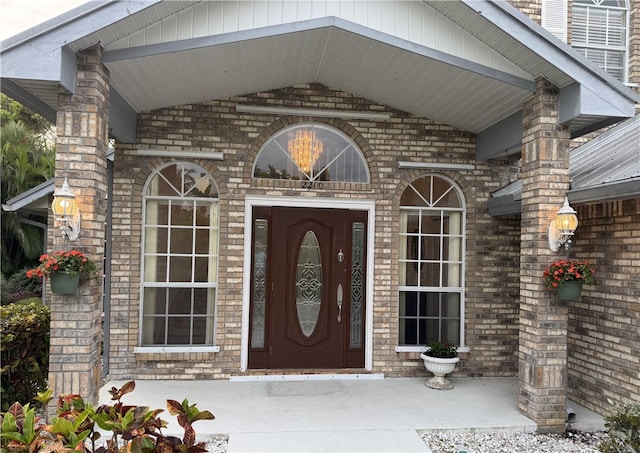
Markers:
point(308, 288)
point(309, 283)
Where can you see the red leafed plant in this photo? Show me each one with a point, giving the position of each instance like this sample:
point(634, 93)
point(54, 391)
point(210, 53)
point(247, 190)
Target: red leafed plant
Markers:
point(568, 271)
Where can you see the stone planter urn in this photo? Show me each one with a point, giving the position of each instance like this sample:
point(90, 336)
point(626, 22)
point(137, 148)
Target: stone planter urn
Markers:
point(440, 368)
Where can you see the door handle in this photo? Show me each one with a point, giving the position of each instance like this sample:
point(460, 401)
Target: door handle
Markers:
point(339, 298)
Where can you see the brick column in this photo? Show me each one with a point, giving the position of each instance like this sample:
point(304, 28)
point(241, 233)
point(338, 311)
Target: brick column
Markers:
point(81, 148)
point(543, 320)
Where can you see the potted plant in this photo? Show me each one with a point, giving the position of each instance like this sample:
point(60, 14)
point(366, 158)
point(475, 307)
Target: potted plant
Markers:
point(440, 359)
point(64, 269)
point(566, 277)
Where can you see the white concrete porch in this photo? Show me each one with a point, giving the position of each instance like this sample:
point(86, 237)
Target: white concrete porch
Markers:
point(343, 415)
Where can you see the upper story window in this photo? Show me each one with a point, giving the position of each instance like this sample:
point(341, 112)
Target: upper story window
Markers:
point(180, 257)
point(599, 30)
point(431, 271)
point(311, 152)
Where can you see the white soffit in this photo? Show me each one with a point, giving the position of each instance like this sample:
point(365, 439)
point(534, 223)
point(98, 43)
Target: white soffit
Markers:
point(413, 79)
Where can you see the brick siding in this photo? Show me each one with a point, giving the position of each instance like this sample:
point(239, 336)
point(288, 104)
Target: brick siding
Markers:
point(604, 326)
point(491, 312)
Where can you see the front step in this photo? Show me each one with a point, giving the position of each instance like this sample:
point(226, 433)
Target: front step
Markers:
point(305, 375)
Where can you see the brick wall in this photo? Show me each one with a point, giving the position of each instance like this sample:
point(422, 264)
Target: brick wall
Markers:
point(82, 144)
point(491, 310)
point(604, 326)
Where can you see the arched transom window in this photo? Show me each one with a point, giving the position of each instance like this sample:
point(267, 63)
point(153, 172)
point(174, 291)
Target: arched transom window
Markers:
point(180, 257)
point(311, 152)
point(431, 263)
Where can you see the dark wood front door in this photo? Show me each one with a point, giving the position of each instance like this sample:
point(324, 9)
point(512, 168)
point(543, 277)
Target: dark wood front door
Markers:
point(313, 298)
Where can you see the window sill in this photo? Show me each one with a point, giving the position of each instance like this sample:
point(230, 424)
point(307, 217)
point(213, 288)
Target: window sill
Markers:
point(421, 349)
point(176, 350)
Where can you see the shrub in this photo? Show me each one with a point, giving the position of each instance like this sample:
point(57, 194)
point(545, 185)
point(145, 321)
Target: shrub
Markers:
point(24, 351)
point(20, 287)
point(132, 428)
point(624, 430)
point(5, 294)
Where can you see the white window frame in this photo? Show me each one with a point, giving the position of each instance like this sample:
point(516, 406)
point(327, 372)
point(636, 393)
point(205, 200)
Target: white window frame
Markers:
point(624, 48)
point(457, 289)
point(272, 145)
point(210, 347)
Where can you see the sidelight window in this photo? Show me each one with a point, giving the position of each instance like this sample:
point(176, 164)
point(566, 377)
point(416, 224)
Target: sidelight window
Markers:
point(180, 257)
point(431, 268)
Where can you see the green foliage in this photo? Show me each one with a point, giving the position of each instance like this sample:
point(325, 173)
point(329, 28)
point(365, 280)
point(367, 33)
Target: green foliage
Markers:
point(624, 430)
point(133, 428)
point(5, 293)
point(11, 110)
point(441, 350)
point(24, 351)
point(19, 287)
point(19, 429)
point(26, 161)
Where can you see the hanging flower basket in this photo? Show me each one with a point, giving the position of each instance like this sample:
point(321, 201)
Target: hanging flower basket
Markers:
point(566, 277)
point(64, 269)
point(63, 283)
point(569, 290)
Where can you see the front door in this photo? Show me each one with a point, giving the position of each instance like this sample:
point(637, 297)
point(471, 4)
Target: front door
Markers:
point(308, 283)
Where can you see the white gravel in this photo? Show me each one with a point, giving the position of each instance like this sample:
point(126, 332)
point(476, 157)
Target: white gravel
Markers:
point(217, 443)
point(482, 442)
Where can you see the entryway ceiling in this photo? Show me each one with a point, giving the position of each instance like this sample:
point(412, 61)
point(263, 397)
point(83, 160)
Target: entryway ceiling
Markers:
point(335, 52)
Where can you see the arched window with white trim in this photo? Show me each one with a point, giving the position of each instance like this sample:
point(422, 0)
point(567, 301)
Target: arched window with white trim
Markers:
point(311, 152)
point(180, 257)
point(431, 263)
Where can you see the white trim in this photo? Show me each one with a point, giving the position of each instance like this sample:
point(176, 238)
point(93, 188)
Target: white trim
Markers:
point(182, 154)
point(435, 166)
point(422, 349)
point(207, 285)
point(362, 205)
point(308, 377)
point(457, 289)
point(171, 350)
point(342, 114)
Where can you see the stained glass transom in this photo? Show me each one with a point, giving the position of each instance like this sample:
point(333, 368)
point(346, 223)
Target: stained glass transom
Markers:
point(311, 152)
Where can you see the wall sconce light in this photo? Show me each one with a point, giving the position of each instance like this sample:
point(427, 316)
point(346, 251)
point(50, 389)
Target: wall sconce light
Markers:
point(562, 228)
point(66, 212)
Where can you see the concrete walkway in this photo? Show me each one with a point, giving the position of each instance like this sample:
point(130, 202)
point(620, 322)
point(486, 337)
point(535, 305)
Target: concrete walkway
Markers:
point(383, 415)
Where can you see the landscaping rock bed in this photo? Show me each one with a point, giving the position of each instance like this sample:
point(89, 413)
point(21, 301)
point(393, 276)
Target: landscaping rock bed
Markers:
point(491, 442)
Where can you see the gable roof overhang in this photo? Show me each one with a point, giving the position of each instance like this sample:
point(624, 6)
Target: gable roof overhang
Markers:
point(452, 86)
point(33, 201)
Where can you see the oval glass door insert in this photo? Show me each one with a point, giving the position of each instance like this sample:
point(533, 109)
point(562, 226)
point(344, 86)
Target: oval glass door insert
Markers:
point(309, 283)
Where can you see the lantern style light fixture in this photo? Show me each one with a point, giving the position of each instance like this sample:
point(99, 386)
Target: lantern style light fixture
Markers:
point(305, 148)
point(562, 228)
point(66, 212)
